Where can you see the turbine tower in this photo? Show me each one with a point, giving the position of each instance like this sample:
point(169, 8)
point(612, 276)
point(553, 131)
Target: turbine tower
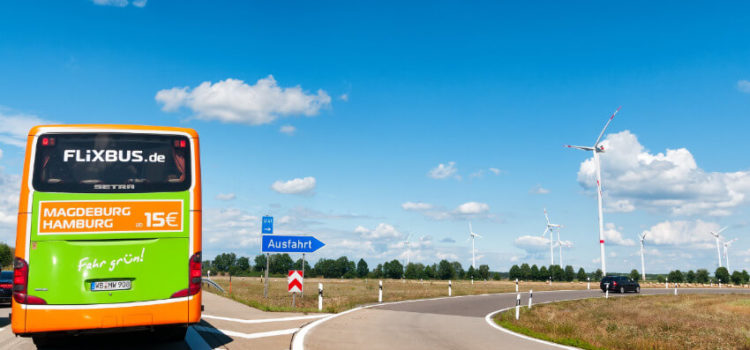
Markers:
point(717, 236)
point(472, 236)
point(550, 228)
point(726, 245)
point(408, 249)
point(642, 237)
point(596, 149)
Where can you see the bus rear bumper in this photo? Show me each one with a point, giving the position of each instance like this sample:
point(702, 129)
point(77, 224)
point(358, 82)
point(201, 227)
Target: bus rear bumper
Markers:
point(35, 319)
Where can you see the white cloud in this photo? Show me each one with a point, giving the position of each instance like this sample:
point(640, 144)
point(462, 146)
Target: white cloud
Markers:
point(295, 186)
point(228, 229)
point(613, 236)
point(468, 210)
point(118, 3)
point(532, 243)
point(538, 189)
point(10, 186)
point(634, 178)
point(472, 208)
point(446, 256)
point(744, 86)
point(495, 171)
point(234, 101)
point(344, 97)
point(383, 230)
point(416, 206)
point(226, 196)
point(288, 129)
point(15, 126)
point(443, 171)
point(683, 233)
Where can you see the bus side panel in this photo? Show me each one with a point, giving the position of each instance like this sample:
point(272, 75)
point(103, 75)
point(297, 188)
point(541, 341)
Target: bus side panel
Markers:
point(194, 309)
point(50, 320)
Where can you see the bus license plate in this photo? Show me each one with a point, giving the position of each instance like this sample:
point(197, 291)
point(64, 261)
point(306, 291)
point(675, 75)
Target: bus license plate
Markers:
point(110, 285)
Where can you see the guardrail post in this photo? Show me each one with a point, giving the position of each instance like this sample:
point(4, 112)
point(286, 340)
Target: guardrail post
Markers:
point(450, 288)
point(531, 296)
point(320, 296)
point(518, 305)
point(380, 292)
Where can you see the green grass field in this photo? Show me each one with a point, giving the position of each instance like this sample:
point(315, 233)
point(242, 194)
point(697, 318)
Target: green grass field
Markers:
point(640, 322)
point(342, 294)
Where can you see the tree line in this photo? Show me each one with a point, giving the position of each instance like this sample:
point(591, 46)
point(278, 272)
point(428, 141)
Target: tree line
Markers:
point(280, 264)
point(701, 276)
point(553, 272)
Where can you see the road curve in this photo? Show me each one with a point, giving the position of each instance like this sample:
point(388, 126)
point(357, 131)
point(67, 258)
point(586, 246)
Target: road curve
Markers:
point(443, 323)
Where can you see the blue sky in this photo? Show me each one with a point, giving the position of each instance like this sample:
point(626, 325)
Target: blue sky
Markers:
point(372, 97)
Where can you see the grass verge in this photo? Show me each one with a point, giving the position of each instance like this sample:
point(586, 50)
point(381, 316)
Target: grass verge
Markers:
point(641, 322)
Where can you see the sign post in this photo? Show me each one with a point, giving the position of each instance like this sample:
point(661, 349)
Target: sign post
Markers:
point(266, 228)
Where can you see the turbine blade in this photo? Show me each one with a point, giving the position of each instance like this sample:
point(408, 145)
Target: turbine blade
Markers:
point(580, 147)
point(605, 126)
point(722, 230)
point(470, 229)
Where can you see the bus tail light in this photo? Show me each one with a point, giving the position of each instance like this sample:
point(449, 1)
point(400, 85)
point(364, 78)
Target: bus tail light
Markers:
point(21, 284)
point(194, 277)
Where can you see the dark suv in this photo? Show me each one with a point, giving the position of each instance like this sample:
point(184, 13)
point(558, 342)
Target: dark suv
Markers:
point(619, 284)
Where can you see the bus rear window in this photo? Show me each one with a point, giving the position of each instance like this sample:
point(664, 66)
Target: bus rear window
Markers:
point(112, 162)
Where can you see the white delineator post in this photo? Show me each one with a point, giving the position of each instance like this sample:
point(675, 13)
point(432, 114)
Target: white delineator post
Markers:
point(588, 286)
point(531, 296)
point(518, 305)
point(450, 288)
point(606, 290)
point(320, 296)
point(675, 289)
point(380, 292)
point(666, 284)
point(472, 281)
point(516, 285)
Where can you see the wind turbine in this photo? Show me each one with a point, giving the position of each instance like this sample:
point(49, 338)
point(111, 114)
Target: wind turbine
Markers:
point(472, 236)
point(717, 236)
point(642, 237)
point(726, 245)
point(596, 149)
point(550, 228)
point(408, 249)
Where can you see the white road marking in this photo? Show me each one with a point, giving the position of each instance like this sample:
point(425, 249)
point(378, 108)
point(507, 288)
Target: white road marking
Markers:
point(195, 341)
point(247, 335)
point(283, 319)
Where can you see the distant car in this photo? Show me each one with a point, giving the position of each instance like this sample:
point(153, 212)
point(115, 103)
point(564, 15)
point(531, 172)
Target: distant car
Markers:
point(619, 284)
point(6, 286)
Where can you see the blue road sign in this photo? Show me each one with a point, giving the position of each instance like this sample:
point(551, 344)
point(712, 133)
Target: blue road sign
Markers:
point(267, 227)
point(290, 244)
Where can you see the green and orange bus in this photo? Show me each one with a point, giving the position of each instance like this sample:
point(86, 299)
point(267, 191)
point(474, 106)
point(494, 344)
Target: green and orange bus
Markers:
point(109, 231)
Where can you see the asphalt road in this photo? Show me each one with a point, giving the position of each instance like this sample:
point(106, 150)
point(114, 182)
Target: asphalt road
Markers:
point(447, 323)
point(226, 324)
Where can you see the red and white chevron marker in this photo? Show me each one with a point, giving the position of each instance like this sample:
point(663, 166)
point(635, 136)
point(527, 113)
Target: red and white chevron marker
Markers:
point(295, 280)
